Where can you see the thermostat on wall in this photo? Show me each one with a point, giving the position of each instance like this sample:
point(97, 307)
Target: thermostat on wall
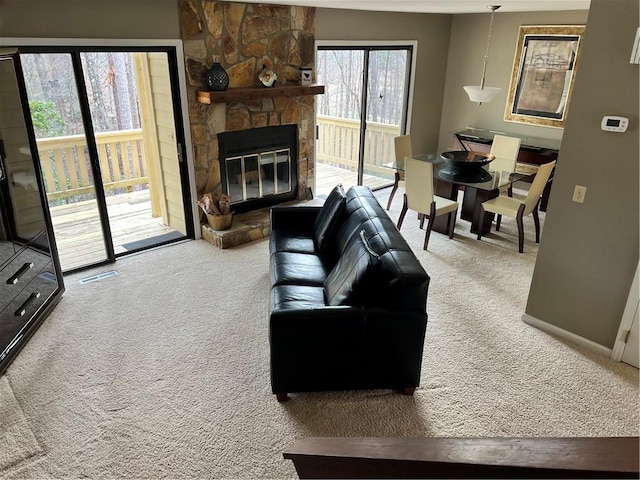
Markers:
point(613, 123)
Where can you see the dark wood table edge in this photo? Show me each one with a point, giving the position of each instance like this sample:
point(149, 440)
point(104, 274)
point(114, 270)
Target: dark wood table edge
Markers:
point(559, 457)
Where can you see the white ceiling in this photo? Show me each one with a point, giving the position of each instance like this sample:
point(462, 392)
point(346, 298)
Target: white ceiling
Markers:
point(438, 6)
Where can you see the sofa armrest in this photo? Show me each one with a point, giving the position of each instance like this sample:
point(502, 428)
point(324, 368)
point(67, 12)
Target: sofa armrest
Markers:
point(316, 348)
point(294, 217)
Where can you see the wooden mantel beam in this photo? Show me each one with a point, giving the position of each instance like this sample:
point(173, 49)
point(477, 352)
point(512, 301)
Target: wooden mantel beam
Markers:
point(233, 95)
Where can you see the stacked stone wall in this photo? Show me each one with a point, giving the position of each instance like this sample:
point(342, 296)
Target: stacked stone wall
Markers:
point(243, 38)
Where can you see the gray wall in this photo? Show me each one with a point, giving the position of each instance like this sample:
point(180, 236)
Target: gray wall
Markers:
point(432, 33)
point(589, 251)
point(150, 19)
point(464, 67)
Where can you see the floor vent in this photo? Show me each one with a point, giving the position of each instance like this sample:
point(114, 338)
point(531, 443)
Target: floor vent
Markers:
point(98, 277)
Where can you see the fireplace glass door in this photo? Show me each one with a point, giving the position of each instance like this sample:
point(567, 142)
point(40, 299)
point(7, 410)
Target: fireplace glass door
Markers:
point(258, 175)
point(258, 166)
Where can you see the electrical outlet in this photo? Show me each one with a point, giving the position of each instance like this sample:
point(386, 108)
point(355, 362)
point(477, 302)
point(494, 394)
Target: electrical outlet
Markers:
point(304, 125)
point(579, 193)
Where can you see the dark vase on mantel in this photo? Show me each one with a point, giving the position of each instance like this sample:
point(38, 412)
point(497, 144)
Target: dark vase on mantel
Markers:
point(217, 78)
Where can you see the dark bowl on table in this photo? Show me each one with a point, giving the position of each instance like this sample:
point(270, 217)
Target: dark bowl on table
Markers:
point(464, 160)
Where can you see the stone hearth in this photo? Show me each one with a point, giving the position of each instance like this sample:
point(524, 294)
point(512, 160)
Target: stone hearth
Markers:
point(246, 227)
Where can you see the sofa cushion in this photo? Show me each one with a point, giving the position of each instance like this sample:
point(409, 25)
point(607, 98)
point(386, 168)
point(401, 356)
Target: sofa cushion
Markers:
point(347, 283)
point(288, 241)
point(296, 298)
point(293, 268)
point(329, 219)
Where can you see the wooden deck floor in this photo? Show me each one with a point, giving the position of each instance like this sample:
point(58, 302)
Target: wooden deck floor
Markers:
point(78, 231)
point(328, 177)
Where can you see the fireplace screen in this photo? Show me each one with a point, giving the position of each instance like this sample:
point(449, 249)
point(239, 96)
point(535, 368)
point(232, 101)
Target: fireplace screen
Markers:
point(258, 166)
point(258, 175)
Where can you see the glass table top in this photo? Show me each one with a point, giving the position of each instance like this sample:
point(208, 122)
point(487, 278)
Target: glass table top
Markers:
point(483, 178)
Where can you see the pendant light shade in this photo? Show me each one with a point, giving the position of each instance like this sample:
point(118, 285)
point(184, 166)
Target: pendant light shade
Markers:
point(480, 93)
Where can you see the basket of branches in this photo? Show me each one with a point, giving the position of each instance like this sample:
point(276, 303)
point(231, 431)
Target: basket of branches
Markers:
point(217, 208)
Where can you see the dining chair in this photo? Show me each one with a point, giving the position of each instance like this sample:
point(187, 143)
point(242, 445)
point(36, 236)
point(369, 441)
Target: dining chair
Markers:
point(518, 209)
point(402, 147)
point(419, 196)
point(505, 150)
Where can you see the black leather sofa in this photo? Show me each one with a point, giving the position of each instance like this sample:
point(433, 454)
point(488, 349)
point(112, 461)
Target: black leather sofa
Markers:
point(348, 298)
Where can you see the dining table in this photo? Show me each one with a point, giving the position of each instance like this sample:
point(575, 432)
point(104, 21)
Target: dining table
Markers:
point(478, 185)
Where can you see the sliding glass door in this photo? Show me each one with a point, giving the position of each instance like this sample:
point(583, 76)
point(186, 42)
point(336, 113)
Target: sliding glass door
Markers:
point(110, 142)
point(387, 80)
point(356, 125)
point(62, 139)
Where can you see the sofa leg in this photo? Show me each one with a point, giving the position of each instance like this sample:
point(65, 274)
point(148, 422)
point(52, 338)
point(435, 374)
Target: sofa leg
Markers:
point(408, 390)
point(282, 397)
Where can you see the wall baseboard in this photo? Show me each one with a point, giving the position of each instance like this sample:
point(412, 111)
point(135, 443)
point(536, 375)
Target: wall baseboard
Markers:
point(566, 335)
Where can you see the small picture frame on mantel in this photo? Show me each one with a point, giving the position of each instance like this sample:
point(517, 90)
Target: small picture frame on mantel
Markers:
point(305, 75)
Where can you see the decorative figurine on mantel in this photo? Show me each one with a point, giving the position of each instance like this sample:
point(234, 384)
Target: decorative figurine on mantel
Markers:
point(216, 77)
point(267, 77)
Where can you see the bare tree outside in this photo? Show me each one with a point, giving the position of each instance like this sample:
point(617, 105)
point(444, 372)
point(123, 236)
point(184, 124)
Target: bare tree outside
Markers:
point(49, 78)
point(386, 86)
point(110, 82)
point(341, 71)
point(111, 89)
point(358, 144)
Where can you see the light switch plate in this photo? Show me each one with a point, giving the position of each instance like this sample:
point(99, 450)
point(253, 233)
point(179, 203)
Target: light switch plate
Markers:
point(579, 193)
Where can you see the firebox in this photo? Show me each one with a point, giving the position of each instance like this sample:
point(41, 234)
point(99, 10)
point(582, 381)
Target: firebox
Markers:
point(259, 166)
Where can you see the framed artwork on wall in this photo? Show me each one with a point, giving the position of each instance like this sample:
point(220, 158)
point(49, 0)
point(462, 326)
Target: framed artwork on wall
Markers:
point(544, 70)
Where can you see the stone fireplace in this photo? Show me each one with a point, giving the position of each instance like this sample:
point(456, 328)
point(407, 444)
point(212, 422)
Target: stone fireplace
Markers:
point(244, 37)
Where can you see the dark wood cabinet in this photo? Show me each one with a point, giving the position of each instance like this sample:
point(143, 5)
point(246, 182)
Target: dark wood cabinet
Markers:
point(533, 150)
point(30, 276)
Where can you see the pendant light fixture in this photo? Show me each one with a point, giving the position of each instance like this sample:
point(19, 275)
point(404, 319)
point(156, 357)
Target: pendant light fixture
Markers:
point(480, 93)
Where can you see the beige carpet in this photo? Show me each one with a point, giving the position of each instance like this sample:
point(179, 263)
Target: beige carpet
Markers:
point(17, 441)
point(162, 370)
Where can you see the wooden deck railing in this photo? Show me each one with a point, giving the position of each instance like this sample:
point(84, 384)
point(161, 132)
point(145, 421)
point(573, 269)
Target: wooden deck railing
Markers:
point(65, 163)
point(339, 140)
point(66, 169)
